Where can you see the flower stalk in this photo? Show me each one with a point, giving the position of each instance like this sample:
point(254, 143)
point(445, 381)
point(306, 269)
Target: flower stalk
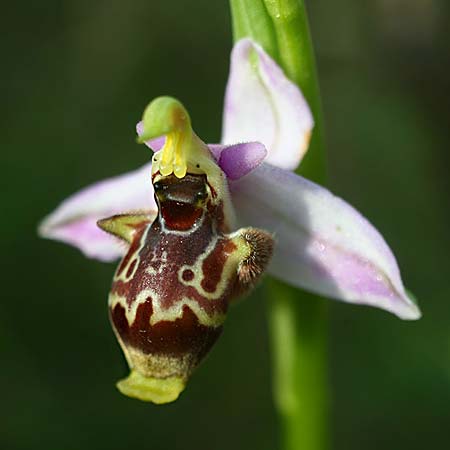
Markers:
point(297, 319)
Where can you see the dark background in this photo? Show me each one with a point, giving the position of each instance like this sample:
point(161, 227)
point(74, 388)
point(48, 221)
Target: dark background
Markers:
point(75, 77)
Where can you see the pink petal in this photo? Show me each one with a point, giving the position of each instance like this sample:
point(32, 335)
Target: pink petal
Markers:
point(239, 159)
point(154, 144)
point(262, 104)
point(323, 244)
point(74, 221)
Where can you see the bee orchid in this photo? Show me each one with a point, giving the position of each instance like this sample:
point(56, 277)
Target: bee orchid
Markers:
point(199, 225)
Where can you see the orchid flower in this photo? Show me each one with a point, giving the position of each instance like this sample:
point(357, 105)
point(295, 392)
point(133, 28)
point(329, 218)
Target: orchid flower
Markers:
point(321, 243)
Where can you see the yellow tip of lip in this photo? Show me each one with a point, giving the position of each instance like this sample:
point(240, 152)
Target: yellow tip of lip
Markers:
point(149, 389)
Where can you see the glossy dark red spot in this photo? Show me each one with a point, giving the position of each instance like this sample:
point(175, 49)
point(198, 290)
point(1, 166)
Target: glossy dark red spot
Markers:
point(188, 275)
point(180, 216)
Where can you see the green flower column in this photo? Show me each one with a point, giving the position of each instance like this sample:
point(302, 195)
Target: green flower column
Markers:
point(297, 319)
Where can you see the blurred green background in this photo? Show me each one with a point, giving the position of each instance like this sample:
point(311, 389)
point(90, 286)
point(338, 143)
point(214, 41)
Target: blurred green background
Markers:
point(76, 75)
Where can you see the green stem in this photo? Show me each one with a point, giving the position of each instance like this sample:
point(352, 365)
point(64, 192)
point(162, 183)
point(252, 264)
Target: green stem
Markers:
point(298, 331)
point(296, 57)
point(297, 319)
point(250, 19)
